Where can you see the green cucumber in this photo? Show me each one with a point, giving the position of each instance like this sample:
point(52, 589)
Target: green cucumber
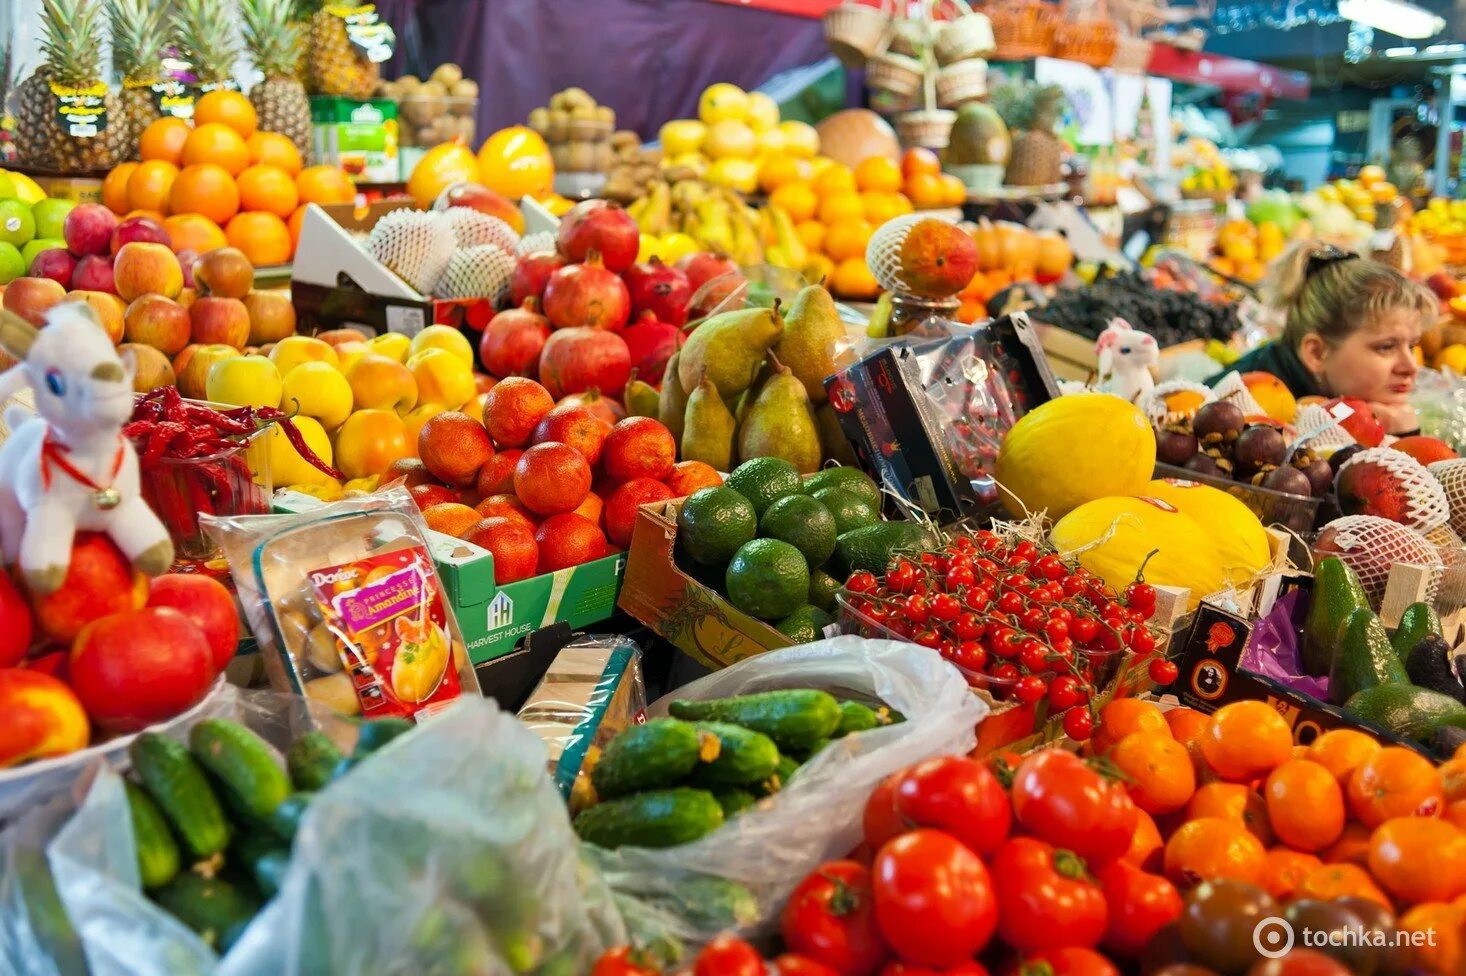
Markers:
point(855, 717)
point(216, 910)
point(177, 784)
point(657, 754)
point(312, 761)
point(715, 904)
point(377, 733)
point(246, 765)
point(794, 718)
point(263, 858)
point(157, 852)
point(733, 800)
point(285, 820)
point(744, 756)
point(656, 818)
point(814, 750)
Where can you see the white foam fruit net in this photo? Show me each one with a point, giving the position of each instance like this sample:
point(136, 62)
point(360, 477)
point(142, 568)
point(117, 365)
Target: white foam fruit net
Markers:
point(539, 241)
point(1452, 478)
point(883, 253)
point(1153, 404)
point(1371, 545)
point(1451, 593)
point(473, 228)
point(1330, 436)
point(477, 272)
point(1232, 389)
point(1426, 506)
point(416, 245)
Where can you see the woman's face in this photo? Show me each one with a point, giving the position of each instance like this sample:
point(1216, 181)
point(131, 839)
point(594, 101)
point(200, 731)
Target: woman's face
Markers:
point(1376, 363)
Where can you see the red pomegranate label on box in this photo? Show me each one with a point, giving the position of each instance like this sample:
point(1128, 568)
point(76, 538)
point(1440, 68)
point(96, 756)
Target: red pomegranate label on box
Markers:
point(391, 630)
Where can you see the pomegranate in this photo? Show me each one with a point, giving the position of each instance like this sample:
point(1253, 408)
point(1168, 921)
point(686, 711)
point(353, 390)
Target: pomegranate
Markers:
point(659, 289)
point(512, 341)
point(588, 295)
point(652, 343)
point(596, 225)
point(530, 274)
point(597, 403)
point(704, 266)
point(576, 359)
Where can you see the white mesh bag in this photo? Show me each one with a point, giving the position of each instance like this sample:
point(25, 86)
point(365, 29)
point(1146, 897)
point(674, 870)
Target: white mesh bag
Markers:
point(1232, 389)
point(1153, 404)
point(1330, 436)
point(538, 241)
point(1452, 477)
point(415, 244)
point(473, 228)
point(1425, 506)
point(477, 272)
point(884, 252)
point(1370, 545)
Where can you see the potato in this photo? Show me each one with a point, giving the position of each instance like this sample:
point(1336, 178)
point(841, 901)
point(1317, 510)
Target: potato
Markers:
point(409, 82)
point(583, 113)
point(539, 120)
point(335, 691)
point(606, 114)
point(447, 74)
point(464, 88)
point(580, 157)
point(578, 96)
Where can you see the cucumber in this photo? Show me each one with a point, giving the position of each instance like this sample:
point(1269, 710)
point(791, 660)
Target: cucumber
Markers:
point(379, 732)
point(650, 756)
point(811, 752)
point(285, 820)
point(656, 818)
point(855, 717)
point(744, 756)
point(263, 858)
point(795, 718)
point(246, 765)
point(312, 760)
point(733, 800)
point(788, 766)
point(178, 786)
point(215, 909)
point(715, 904)
point(157, 852)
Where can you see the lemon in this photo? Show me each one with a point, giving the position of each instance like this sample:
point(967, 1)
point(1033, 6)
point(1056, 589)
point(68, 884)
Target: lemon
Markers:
point(762, 113)
point(730, 139)
point(722, 102)
point(682, 136)
point(800, 139)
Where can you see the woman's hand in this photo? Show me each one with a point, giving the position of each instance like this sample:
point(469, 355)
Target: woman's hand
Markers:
point(1398, 417)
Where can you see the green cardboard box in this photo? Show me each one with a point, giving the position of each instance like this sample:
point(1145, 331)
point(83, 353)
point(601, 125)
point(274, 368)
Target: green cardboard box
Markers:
point(359, 135)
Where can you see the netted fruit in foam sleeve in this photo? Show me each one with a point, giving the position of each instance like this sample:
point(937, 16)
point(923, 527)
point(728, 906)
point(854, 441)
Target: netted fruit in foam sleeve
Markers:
point(416, 245)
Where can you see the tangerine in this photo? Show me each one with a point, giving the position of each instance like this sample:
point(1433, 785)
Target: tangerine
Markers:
point(639, 447)
point(1394, 782)
point(552, 478)
point(268, 188)
point(776, 171)
point(1126, 716)
point(273, 149)
point(194, 232)
point(163, 139)
point(150, 185)
point(1453, 779)
point(1334, 881)
point(454, 447)
point(216, 143)
point(926, 192)
point(451, 518)
point(879, 174)
point(881, 207)
point(513, 408)
point(227, 108)
point(1285, 870)
point(1158, 769)
point(1186, 724)
point(841, 205)
point(954, 191)
point(1232, 801)
point(1419, 859)
point(207, 190)
point(263, 237)
point(798, 200)
point(834, 178)
point(297, 218)
point(1341, 750)
point(920, 160)
point(114, 188)
point(568, 540)
point(325, 184)
point(847, 238)
point(811, 234)
point(688, 476)
point(1456, 813)
point(507, 506)
point(1442, 946)
point(1352, 847)
point(1146, 844)
point(1245, 739)
point(1305, 805)
point(511, 540)
point(852, 278)
point(1210, 848)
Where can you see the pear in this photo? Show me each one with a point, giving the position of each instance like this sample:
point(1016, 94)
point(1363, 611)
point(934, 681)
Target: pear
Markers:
point(728, 348)
point(672, 404)
point(812, 333)
point(833, 441)
point(641, 398)
point(707, 433)
point(781, 424)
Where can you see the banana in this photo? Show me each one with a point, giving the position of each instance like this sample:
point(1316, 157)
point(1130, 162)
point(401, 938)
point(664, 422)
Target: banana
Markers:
point(655, 219)
point(637, 208)
point(717, 224)
point(788, 250)
point(748, 249)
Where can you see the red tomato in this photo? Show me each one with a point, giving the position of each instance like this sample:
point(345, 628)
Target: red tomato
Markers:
point(880, 821)
point(622, 961)
point(1046, 900)
point(1139, 904)
point(933, 897)
point(1061, 800)
point(958, 795)
point(830, 918)
point(791, 965)
point(728, 955)
point(1071, 961)
point(906, 969)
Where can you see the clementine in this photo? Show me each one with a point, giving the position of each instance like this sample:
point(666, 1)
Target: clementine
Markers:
point(1232, 801)
point(552, 478)
point(1285, 870)
point(216, 143)
point(207, 190)
point(114, 188)
point(1394, 782)
point(1341, 750)
point(1146, 844)
point(1455, 812)
point(454, 447)
point(1442, 945)
point(163, 139)
point(568, 540)
point(1126, 716)
point(1158, 770)
point(1305, 805)
point(1245, 739)
point(228, 108)
point(926, 191)
point(511, 541)
point(688, 476)
point(852, 278)
point(150, 185)
point(1352, 847)
point(798, 200)
point(263, 237)
point(1334, 881)
point(194, 232)
point(1419, 859)
point(1211, 848)
point(879, 173)
point(297, 218)
point(451, 518)
point(1453, 779)
point(268, 188)
point(325, 184)
point(274, 149)
point(919, 160)
point(847, 238)
point(513, 408)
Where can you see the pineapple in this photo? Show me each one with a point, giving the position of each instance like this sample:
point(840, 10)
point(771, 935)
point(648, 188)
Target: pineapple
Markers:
point(137, 47)
point(71, 47)
point(335, 66)
point(1032, 111)
point(273, 40)
point(205, 34)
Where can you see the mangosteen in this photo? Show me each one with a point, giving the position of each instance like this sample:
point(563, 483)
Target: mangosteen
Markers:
point(1204, 464)
point(1218, 422)
point(1174, 446)
point(1337, 459)
point(1258, 447)
point(1288, 479)
point(1319, 475)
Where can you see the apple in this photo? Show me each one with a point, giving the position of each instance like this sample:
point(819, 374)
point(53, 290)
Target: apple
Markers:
point(208, 604)
point(99, 581)
point(318, 390)
point(219, 320)
point(143, 268)
point(50, 215)
point(336, 337)
point(292, 351)
point(43, 717)
point(29, 251)
point(151, 369)
point(56, 264)
point(379, 382)
point(158, 322)
point(15, 636)
point(131, 670)
point(94, 273)
point(141, 229)
point(31, 298)
point(192, 367)
point(88, 229)
point(225, 272)
point(370, 441)
point(109, 309)
point(244, 381)
point(442, 378)
point(186, 259)
point(271, 316)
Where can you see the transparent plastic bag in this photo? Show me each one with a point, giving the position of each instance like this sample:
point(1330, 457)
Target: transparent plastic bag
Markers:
point(816, 817)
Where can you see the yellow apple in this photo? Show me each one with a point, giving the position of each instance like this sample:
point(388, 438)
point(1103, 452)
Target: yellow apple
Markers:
point(287, 467)
point(800, 139)
point(291, 351)
point(369, 441)
point(350, 352)
point(393, 345)
point(380, 383)
point(442, 337)
point(244, 381)
point(418, 416)
point(442, 378)
point(327, 489)
point(475, 407)
point(320, 391)
point(193, 364)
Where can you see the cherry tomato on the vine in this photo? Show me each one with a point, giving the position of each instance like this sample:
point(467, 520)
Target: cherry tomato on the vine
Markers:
point(1063, 692)
point(944, 607)
point(916, 609)
point(790, 964)
point(1078, 724)
point(1142, 597)
point(1030, 689)
point(1163, 672)
point(623, 961)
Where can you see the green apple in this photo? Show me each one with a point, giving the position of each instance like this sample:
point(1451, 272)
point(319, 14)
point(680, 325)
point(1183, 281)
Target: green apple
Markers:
point(17, 225)
point(29, 251)
point(50, 215)
point(12, 265)
point(7, 187)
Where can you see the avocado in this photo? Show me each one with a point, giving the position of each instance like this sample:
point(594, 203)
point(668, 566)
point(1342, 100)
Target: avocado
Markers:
point(853, 480)
point(1429, 666)
point(1336, 595)
point(713, 523)
point(768, 579)
point(871, 547)
point(1415, 713)
point(1417, 622)
point(1363, 659)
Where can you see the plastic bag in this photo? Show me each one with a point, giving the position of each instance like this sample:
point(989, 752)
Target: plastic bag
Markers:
point(817, 816)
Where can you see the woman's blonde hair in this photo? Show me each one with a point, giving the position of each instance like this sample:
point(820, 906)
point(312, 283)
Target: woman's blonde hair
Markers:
point(1332, 293)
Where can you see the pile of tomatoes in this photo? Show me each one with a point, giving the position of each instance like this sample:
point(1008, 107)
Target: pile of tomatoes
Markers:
point(1017, 620)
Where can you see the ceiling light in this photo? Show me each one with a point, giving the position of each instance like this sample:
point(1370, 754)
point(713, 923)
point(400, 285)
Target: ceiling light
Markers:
point(1445, 48)
point(1399, 52)
point(1398, 17)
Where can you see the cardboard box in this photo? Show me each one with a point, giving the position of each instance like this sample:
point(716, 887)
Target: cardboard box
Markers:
point(1072, 356)
point(82, 189)
point(696, 619)
point(359, 135)
point(493, 619)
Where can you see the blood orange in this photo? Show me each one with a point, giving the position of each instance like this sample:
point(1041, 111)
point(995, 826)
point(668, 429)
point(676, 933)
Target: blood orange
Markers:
point(516, 554)
point(639, 447)
point(513, 408)
point(576, 426)
point(552, 478)
point(624, 501)
point(568, 540)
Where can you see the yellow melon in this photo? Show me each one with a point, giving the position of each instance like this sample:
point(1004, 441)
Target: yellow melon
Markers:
point(1072, 450)
point(1131, 527)
point(1239, 540)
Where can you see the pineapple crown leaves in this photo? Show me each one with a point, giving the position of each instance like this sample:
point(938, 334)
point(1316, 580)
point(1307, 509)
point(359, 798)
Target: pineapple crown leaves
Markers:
point(138, 36)
point(71, 41)
point(271, 35)
point(1025, 105)
point(204, 32)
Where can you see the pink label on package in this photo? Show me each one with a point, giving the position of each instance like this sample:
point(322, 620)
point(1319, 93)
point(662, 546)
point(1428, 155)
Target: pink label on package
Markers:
point(380, 601)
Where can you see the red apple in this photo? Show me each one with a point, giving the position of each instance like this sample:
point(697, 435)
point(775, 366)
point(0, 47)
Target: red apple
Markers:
point(42, 717)
point(94, 273)
point(55, 263)
point(131, 670)
point(144, 229)
point(219, 320)
point(207, 603)
point(32, 298)
point(15, 636)
point(88, 229)
point(99, 581)
point(186, 258)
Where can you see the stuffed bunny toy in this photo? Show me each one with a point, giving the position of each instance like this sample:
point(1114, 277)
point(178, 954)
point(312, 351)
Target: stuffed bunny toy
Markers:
point(69, 468)
point(1126, 357)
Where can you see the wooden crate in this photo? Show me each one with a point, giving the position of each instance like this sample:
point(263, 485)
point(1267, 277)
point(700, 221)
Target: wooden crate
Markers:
point(1072, 356)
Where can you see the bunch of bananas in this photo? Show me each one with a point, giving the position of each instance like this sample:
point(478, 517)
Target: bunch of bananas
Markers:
point(719, 219)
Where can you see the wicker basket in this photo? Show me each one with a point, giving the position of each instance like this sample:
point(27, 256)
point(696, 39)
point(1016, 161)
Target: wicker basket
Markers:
point(894, 73)
point(906, 38)
point(1132, 54)
point(968, 35)
point(962, 82)
point(930, 128)
point(887, 103)
point(854, 31)
point(1090, 42)
point(1023, 29)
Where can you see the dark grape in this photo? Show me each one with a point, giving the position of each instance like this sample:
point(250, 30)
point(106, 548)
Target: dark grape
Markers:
point(1257, 447)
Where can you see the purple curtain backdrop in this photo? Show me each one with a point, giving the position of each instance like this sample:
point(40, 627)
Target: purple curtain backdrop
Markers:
point(647, 59)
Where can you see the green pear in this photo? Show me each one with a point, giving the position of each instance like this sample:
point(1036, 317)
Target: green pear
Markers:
point(707, 433)
point(729, 348)
point(833, 441)
point(641, 398)
point(781, 424)
point(812, 333)
point(672, 404)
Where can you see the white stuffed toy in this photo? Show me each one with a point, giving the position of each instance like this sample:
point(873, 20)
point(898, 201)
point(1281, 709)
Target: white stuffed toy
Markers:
point(70, 469)
point(1126, 357)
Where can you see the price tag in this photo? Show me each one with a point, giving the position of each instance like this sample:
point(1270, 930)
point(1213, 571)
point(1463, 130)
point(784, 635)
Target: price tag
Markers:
point(366, 30)
point(172, 97)
point(81, 111)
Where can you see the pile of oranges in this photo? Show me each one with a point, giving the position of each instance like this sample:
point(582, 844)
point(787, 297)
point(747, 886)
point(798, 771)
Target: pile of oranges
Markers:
point(220, 180)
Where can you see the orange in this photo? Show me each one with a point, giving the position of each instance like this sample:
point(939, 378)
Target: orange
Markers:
point(1352, 847)
point(954, 191)
point(1146, 844)
point(1341, 750)
point(217, 143)
point(296, 219)
point(1453, 779)
point(847, 239)
point(1186, 724)
point(1419, 859)
point(205, 189)
point(834, 178)
point(1456, 813)
point(811, 233)
point(1210, 848)
point(1305, 805)
point(273, 149)
point(881, 207)
point(1232, 801)
point(450, 518)
point(879, 174)
point(926, 191)
point(149, 186)
point(1334, 881)
point(268, 188)
point(114, 188)
point(1157, 769)
point(325, 184)
point(775, 171)
point(194, 232)
point(798, 200)
point(1442, 947)
point(228, 108)
point(841, 205)
point(918, 160)
point(852, 279)
point(1125, 716)
point(1394, 782)
point(154, 215)
point(164, 139)
point(1285, 870)
point(263, 237)
point(1245, 739)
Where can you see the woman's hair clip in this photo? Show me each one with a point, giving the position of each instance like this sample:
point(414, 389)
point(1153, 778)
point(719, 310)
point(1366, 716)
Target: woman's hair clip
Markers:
point(1324, 257)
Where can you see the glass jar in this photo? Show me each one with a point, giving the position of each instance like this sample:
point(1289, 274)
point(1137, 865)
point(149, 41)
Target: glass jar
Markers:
point(909, 313)
point(234, 481)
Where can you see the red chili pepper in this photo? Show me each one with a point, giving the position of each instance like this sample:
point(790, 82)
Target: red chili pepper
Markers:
point(297, 440)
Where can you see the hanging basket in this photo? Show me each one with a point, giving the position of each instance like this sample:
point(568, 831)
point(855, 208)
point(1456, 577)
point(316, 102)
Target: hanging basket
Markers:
point(1090, 42)
point(886, 103)
point(905, 38)
point(930, 128)
point(967, 35)
point(1023, 29)
point(1132, 54)
point(962, 82)
point(854, 31)
point(894, 73)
